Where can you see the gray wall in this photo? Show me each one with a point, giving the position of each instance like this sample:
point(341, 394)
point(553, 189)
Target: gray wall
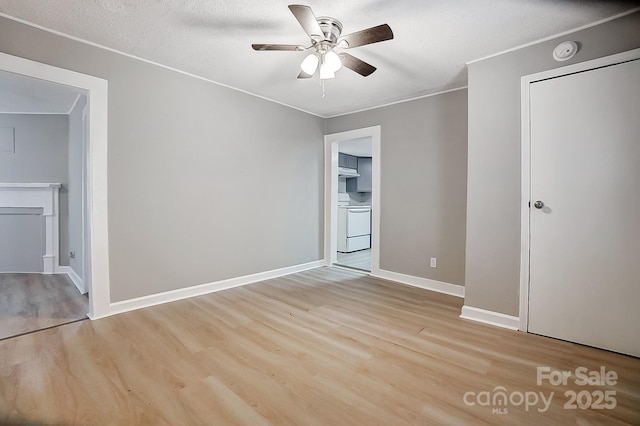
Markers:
point(41, 145)
point(423, 183)
point(493, 215)
point(22, 239)
point(205, 183)
point(74, 188)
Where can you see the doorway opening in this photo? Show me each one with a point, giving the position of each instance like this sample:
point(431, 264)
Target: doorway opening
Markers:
point(352, 199)
point(94, 235)
point(42, 194)
point(354, 204)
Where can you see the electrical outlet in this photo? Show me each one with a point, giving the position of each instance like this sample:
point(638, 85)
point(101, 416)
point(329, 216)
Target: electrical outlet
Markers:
point(433, 262)
point(72, 254)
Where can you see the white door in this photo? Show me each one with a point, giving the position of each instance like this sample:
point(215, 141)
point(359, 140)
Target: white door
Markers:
point(585, 241)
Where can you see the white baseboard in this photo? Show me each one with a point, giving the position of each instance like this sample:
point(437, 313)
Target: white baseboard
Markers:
point(198, 290)
point(490, 317)
point(74, 277)
point(433, 285)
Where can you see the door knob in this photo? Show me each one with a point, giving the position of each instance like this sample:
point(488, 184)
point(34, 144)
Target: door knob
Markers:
point(538, 204)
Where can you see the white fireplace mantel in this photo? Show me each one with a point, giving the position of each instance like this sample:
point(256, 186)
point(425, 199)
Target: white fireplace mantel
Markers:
point(45, 196)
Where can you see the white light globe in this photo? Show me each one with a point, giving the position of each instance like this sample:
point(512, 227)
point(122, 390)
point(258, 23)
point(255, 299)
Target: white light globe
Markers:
point(326, 72)
point(310, 64)
point(333, 60)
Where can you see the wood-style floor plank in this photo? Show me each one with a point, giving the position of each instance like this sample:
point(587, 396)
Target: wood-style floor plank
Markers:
point(30, 302)
point(322, 347)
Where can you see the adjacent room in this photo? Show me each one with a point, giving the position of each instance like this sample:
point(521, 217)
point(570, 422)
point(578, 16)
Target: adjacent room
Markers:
point(324, 213)
point(42, 197)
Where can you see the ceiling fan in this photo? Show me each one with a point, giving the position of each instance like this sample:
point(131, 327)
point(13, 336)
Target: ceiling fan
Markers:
point(325, 38)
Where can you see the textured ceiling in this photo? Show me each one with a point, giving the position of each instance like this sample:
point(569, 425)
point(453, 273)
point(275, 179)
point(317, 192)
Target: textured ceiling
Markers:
point(212, 39)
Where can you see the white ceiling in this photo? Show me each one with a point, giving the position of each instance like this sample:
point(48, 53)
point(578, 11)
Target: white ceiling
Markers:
point(433, 40)
point(19, 94)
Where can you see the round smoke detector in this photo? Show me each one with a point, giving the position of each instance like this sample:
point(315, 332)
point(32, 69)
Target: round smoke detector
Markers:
point(565, 51)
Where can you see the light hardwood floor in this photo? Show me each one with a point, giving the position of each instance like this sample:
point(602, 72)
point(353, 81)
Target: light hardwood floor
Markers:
point(30, 302)
point(323, 347)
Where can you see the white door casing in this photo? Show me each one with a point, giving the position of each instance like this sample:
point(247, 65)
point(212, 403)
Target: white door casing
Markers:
point(579, 275)
point(86, 246)
point(331, 193)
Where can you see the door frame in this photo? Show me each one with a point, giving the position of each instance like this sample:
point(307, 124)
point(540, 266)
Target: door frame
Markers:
point(525, 210)
point(331, 142)
point(96, 170)
point(86, 242)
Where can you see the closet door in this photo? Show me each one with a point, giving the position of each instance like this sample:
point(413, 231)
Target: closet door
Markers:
point(585, 208)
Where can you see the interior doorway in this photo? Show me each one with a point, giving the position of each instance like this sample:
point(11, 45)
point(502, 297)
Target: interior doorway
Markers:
point(95, 172)
point(352, 199)
point(354, 204)
point(42, 205)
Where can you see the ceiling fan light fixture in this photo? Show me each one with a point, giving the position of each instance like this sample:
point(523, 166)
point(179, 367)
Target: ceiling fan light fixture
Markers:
point(326, 35)
point(326, 72)
point(310, 64)
point(332, 60)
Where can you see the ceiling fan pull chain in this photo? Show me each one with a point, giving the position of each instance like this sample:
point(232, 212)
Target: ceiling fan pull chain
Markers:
point(322, 88)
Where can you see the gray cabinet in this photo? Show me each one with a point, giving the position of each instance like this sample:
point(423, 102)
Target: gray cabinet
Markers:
point(362, 183)
point(348, 161)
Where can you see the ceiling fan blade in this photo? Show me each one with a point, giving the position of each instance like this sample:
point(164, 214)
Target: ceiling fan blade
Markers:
point(304, 75)
point(357, 65)
point(370, 35)
point(287, 47)
point(307, 20)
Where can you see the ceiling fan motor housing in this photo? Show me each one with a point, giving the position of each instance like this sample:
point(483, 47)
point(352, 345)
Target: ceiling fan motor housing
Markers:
point(331, 28)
